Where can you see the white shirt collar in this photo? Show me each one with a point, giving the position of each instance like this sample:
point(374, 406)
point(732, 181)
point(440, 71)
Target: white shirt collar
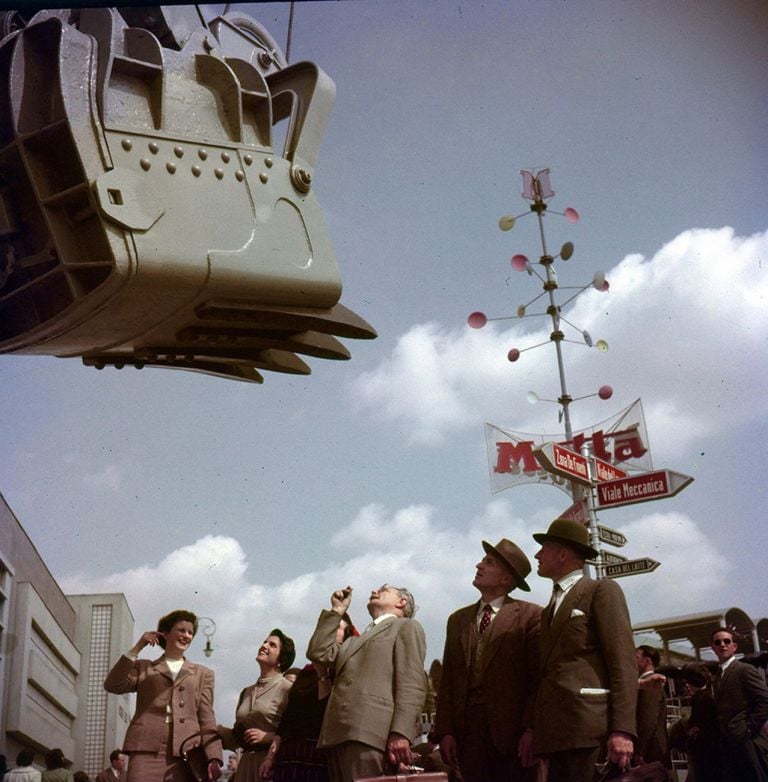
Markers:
point(495, 604)
point(727, 663)
point(567, 581)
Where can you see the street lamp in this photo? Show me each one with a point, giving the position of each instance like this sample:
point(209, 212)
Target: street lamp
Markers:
point(208, 631)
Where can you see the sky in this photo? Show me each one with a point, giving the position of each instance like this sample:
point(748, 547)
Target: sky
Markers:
point(251, 504)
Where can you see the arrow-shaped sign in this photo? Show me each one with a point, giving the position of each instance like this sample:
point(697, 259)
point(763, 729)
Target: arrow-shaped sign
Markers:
point(563, 461)
point(631, 567)
point(605, 471)
point(609, 558)
point(577, 512)
point(612, 536)
point(643, 487)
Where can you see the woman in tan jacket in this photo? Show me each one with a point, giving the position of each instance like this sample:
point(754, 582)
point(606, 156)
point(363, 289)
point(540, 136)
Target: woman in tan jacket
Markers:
point(174, 700)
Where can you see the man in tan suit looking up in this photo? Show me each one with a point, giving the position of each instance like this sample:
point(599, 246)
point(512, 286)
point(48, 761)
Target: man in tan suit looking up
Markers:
point(490, 668)
point(585, 705)
point(379, 684)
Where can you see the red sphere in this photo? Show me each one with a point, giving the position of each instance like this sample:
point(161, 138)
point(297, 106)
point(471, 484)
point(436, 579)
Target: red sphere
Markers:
point(605, 392)
point(477, 320)
point(513, 354)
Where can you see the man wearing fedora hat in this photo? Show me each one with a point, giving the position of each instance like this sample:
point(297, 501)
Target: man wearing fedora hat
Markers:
point(490, 669)
point(588, 690)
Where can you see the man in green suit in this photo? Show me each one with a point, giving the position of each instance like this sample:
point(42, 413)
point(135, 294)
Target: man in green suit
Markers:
point(587, 695)
point(379, 684)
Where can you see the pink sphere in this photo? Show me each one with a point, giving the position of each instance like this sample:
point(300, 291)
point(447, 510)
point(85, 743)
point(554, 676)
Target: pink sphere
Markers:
point(605, 392)
point(519, 262)
point(477, 320)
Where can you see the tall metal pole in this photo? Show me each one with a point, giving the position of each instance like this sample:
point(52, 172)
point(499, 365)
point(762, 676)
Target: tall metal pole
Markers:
point(565, 399)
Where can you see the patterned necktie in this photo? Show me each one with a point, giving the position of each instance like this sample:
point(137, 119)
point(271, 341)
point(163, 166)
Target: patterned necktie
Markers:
point(485, 619)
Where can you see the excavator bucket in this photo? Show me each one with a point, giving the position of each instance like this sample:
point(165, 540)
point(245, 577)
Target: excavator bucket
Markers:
point(156, 195)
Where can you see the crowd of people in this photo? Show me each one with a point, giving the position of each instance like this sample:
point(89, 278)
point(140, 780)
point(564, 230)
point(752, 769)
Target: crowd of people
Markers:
point(56, 768)
point(527, 693)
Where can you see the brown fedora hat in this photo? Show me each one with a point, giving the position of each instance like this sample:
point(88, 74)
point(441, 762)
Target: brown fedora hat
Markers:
point(512, 556)
point(568, 533)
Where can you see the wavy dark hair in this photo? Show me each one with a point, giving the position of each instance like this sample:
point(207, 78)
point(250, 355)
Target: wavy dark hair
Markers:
point(165, 624)
point(287, 649)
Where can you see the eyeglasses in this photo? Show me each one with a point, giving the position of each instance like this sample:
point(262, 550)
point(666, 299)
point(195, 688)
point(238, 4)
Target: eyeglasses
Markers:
point(722, 642)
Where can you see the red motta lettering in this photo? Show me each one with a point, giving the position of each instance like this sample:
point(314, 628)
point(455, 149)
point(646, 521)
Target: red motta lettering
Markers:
point(627, 444)
point(509, 456)
point(598, 446)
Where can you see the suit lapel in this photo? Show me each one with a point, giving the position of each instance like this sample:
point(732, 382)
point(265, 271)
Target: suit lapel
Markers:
point(352, 645)
point(467, 631)
point(161, 667)
point(186, 670)
point(504, 619)
point(550, 634)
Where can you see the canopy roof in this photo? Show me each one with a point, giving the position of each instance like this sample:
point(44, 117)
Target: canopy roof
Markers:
point(698, 628)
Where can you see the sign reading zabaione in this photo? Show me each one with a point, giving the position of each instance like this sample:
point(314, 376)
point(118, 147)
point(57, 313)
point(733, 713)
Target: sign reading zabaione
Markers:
point(620, 440)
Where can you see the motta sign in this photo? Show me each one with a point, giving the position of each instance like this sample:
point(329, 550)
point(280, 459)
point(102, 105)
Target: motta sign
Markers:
point(620, 443)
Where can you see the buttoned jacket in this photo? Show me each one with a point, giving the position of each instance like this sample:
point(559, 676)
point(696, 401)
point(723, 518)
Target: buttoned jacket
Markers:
point(741, 696)
point(588, 686)
point(190, 697)
point(380, 684)
point(508, 671)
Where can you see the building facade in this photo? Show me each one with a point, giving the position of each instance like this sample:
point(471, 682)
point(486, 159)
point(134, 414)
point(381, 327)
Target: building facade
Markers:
point(55, 651)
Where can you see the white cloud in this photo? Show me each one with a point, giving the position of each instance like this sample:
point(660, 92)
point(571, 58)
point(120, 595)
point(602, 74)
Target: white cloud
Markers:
point(684, 329)
point(410, 547)
point(692, 574)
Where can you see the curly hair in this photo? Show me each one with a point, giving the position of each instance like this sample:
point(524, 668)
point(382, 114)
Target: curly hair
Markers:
point(165, 624)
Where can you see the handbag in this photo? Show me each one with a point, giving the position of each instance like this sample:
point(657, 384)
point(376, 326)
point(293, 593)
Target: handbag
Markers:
point(195, 759)
point(647, 772)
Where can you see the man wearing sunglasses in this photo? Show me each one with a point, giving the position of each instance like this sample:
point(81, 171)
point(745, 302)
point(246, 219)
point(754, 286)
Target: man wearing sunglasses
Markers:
point(742, 710)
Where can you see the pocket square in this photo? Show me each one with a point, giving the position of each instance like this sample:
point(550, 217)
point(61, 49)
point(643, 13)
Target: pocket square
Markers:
point(576, 612)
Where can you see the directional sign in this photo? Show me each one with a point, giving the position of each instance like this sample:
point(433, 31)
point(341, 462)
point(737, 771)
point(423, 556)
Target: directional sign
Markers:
point(631, 567)
point(612, 536)
point(605, 471)
point(564, 462)
point(609, 558)
point(577, 512)
point(641, 488)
